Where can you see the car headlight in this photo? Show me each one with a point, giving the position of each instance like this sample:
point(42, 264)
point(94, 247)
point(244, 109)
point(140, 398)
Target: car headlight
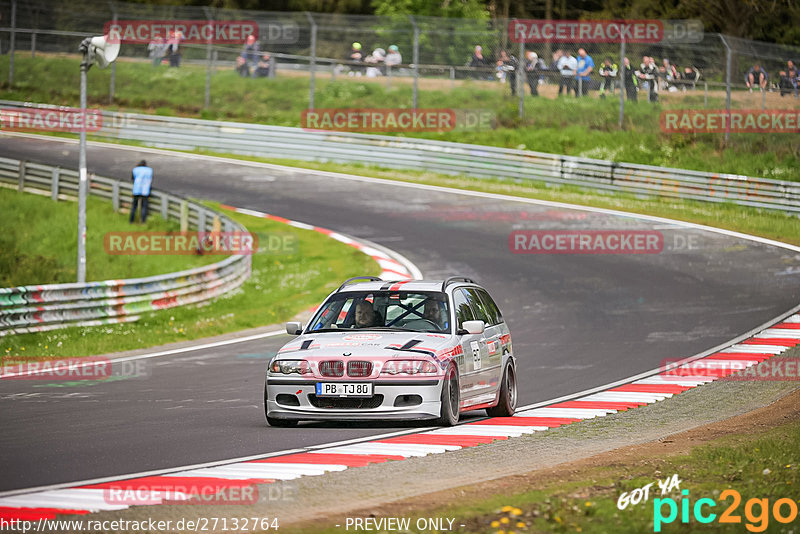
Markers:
point(409, 367)
point(287, 367)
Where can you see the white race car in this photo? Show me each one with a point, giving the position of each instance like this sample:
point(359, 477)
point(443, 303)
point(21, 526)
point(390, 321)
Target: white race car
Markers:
point(411, 349)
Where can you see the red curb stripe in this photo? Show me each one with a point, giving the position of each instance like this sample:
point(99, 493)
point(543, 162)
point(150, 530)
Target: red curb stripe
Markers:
point(651, 388)
point(527, 421)
point(277, 218)
point(602, 405)
point(34, 514)
point(323, 230)
point(789, 326)
point(442, 439)
point(781, 341)
point(350, 460)
point(739, 356)
point(155, 483)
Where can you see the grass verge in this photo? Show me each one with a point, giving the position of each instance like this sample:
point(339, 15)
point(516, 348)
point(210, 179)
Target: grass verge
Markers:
point(587, 127)
point(283, 283)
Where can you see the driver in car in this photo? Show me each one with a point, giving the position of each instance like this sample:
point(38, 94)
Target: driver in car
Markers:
point(433, 313)
point(365, 315)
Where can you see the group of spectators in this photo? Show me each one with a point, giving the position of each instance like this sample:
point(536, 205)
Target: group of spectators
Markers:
point(788, 79)
point(579, 74)
point(357, 63)
point(251, 63)
point(169, 49)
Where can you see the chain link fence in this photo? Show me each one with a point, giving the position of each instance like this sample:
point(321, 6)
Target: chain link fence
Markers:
point(425, 52)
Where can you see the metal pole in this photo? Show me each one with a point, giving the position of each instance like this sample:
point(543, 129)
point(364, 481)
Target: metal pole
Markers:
point(622, 81)
point(416, 61)
point(705, 95)
point(520, 83)
point(83, 181)
point(728, 68)
point(313, 62)
point(113, 83)
point(33, 44)
point(209, 63)
point(12, 43)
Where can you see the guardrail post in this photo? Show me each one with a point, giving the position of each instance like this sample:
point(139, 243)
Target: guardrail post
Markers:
point(201, 220)
point(164, 206)
point(613, 167)
point(115, 196)
point(215, 224)
point(54, 177)
point(184, 216)
point(21, 186)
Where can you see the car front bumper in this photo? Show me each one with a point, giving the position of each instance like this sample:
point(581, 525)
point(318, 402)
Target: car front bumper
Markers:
point(406, 399)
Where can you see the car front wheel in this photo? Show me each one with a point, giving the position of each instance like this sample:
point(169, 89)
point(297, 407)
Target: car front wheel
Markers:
point(450, 398)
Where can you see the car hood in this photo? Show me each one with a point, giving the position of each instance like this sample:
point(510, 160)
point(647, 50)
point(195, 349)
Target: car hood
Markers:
point(366, 344)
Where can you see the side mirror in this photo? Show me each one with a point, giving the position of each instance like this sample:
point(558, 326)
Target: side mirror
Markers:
point(294, 329)
point(474, 327)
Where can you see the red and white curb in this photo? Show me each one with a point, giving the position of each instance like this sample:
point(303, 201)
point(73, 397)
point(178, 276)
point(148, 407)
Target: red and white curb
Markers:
point(191, 483)
point(393, 265)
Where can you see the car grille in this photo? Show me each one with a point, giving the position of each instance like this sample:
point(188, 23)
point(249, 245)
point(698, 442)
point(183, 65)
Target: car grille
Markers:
point(359, 368)
point(331, 368)
point(353, 403)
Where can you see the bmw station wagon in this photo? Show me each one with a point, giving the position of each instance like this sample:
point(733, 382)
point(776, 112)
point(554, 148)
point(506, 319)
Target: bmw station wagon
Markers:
point(411, 349)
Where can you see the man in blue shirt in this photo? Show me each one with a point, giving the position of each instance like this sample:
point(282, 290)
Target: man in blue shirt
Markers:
point(585, 68)
point(142, 177)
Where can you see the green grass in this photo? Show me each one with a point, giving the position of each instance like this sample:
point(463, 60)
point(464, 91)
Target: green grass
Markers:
point(586, 127)
point(43, 249)
point(585, 500)
point(283, 283)
point(763, 223)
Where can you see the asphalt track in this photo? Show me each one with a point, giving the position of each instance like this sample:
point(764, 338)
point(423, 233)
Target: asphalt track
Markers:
point(577, 320)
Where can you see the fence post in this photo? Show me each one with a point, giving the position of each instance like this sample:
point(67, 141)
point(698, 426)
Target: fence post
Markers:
point(112, 86)
point(728, 67)
point(622, 82)
point(164, 206)
point(12, 42)
point(54, 177)
point(388, 76)
point(763, 100)
point(416, 60)
point(520, 82)
point(21, 185)
point(209, 66)
point(33, 45)
point(115, 196)
point(184, 216)
point(705, 95)
point(452, 77)
point(313, 61)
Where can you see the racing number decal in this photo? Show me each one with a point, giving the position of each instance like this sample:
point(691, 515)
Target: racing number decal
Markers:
point(476, 354)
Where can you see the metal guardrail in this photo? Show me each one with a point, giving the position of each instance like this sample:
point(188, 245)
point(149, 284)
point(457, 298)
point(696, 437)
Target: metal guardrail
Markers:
point(445, 157)
point(39, 308)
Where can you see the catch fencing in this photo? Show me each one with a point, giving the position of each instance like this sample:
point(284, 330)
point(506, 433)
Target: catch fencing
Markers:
point(39, 308)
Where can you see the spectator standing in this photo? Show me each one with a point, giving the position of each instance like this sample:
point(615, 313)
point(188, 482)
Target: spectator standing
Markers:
point(630, 80)
point(690, 77)
point(756, 77)
point(374, 63)
point(142, 177)
point(393, 57)
point(584, 71)
point(533, 68)
point(567, 67)
point(648, 73)
point(174, 48)
point(241, 67)
point(478, 61)
point(355, 59)
point(507, 69)
point(608, 75)
point(156, 50)
point(265, 67)
point(788, 79)
point(250, 53)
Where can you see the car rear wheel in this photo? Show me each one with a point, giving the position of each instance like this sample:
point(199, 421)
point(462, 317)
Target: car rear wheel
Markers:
point(272, 421)
point(507, 403)
point(450, 398)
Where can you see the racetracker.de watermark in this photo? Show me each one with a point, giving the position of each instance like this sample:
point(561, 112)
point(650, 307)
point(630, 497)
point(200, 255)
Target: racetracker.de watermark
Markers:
point(605, 31)
point(191, 31)
point(51, 119)
point(91, 368)
point(738, 121)
point(771, 369)
point(586, 242)
point(195, 493)
point(179, 243)
point(397, 119)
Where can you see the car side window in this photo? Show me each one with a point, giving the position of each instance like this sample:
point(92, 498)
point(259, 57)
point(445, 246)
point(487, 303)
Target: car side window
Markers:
point(481, 313)
point(491, 306)
point(462, 308)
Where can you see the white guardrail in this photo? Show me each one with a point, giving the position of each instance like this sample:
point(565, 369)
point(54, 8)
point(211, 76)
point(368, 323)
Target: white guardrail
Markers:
point(47, 307)
point(443, 157)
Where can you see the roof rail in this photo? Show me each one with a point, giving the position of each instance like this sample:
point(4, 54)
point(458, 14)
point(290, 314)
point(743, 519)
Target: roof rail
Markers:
point(369, 278)
point(456, 279)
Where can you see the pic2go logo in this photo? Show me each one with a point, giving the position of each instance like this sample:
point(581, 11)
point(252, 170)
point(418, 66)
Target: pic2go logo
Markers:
point(756, 511)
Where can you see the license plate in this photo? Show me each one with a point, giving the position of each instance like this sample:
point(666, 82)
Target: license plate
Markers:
point(343, 389)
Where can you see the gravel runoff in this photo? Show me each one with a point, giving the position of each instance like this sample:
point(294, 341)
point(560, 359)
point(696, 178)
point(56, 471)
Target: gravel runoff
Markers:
point(313, 499)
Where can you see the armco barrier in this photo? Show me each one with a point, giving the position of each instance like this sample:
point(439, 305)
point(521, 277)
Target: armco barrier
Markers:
point(46, 307)
point(444, 157)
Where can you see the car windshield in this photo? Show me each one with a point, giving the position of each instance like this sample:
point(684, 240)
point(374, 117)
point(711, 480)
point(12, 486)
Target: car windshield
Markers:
point(403, 311)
